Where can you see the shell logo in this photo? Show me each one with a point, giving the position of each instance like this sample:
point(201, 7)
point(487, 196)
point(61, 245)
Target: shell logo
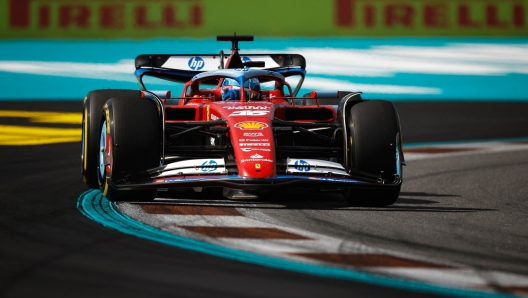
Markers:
point(251, 125)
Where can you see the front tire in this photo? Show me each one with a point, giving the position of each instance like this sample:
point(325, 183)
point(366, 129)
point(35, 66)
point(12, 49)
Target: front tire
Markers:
point(130, 138)
point(92, 107)
point(375, 146)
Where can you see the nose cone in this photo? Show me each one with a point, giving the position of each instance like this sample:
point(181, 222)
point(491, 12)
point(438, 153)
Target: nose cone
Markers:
point(252, 140)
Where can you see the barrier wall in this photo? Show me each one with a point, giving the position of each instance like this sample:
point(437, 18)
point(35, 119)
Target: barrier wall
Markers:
point(139, 19)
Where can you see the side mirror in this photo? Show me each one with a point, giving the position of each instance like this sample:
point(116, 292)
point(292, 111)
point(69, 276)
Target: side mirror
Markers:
point(322, 97)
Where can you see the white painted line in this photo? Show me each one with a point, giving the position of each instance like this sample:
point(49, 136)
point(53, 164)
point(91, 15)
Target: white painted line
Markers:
point(212, 221)
point(449, 277)
point(274, 246)
point(507, 279)
point(472, 149)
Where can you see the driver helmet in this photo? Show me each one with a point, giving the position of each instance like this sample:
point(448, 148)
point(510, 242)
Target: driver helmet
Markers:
point(230, 89)
point(252, 89)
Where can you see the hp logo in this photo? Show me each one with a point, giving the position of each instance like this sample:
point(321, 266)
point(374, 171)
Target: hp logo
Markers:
point(209, 166)
point(196, 63)
point(301, 165)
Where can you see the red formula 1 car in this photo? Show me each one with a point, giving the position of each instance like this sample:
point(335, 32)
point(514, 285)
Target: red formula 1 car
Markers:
point(240, 126)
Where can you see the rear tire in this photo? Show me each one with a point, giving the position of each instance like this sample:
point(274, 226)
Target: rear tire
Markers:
point(131, 137)
point(92, 107)
point(374, 127)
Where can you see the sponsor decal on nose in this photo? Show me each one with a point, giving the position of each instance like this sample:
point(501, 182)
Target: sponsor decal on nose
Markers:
point(251, 125)
point(253, 134)
point(255, 144)
point(247, 108)
point(256, 159)
point(255, 149)
point(249, 113)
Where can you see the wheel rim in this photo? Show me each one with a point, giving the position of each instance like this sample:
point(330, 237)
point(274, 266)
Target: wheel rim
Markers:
point(102, 151)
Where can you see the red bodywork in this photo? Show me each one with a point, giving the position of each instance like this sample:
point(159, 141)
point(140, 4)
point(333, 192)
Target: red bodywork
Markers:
point(251, 132)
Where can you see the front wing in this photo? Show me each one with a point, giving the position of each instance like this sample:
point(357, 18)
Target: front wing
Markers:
point(238, 182)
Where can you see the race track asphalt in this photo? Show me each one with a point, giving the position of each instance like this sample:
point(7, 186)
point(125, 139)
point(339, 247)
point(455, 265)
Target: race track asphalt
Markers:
point(470, 209)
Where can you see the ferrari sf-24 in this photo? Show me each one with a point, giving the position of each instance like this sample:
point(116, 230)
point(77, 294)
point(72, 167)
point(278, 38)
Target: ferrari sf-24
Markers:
point(238, 126)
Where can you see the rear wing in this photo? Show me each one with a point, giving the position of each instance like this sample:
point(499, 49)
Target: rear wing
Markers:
point(182, 67)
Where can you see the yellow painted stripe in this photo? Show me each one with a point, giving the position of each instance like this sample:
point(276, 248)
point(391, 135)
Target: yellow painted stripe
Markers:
point(12, 135)
point(44, 117)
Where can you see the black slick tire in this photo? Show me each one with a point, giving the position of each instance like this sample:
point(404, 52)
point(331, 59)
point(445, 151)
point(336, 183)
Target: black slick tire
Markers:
point(92, 107)
point(131, 135)
point(373, 129)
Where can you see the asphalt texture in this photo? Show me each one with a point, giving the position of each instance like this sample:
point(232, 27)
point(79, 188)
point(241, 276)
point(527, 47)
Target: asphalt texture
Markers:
point(470, 209)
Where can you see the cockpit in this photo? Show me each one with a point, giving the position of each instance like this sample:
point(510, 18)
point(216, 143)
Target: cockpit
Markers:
point(238, 84)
